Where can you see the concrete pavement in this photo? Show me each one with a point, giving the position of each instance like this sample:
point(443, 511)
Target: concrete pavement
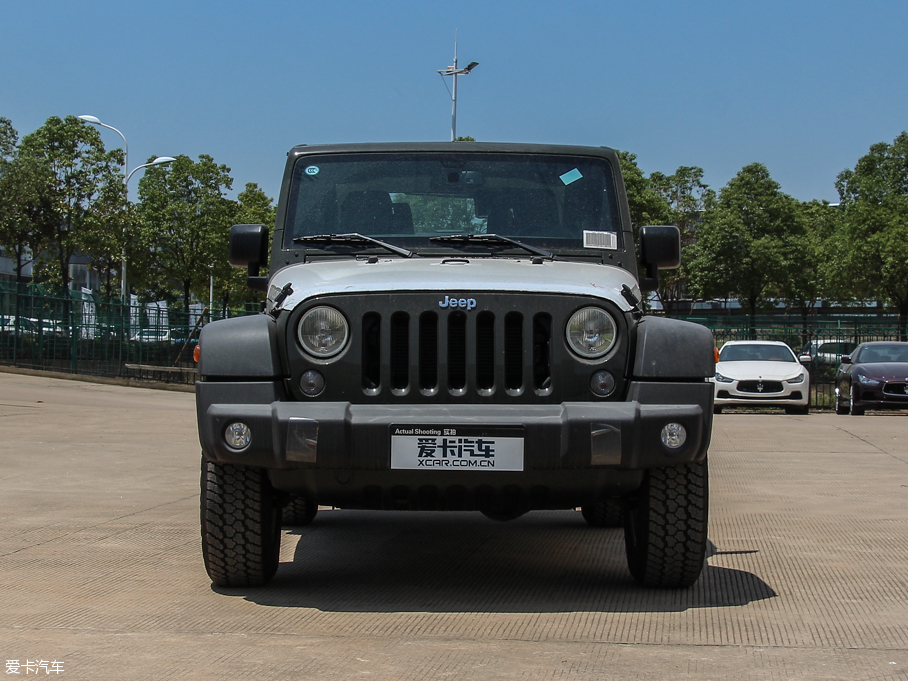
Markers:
point(101, 569)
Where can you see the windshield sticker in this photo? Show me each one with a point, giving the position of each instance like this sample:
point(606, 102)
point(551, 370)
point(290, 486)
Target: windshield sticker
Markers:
point(312, 171)
point(571, 176)
point(607, 241)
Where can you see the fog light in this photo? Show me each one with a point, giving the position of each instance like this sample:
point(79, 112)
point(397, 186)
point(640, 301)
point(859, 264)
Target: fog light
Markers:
point(312, 383)
point(238, 435)
point(602, 383)
point(673, 435)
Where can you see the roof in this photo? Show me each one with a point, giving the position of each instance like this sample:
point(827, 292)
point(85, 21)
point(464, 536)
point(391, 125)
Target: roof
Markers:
point(754, 342)
point(447, 147)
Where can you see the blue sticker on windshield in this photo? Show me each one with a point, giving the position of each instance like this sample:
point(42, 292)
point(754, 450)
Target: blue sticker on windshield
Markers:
point(571, 176)
point(312, 170)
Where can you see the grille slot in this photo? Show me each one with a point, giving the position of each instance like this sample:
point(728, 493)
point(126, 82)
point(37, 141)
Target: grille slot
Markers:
point(485, 351)
point(542, 352)
point(457, 351)
point(371, 362)
point(513, 351)
point(428, 351)
point(400, 351)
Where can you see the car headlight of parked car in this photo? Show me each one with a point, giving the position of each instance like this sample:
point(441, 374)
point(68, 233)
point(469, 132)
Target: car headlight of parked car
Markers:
point(797, 379)
point(866, 380)
point(723, 379)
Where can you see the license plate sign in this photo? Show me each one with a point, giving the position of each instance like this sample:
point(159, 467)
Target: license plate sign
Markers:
point(457, 448)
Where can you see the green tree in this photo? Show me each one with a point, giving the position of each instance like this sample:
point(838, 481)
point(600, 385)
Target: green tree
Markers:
point(647, 205)
point(182, 218)
point(746, 246)
point(16, 190)
point(82, 183)
point(106, 245)
point(25, 210)
point(872, 245)
point(810, 280)
point(688, 197)
point(9, 140)
point(254, 207)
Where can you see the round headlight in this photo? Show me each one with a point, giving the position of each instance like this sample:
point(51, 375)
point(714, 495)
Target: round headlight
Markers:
point(591, 332)
point(323, 332)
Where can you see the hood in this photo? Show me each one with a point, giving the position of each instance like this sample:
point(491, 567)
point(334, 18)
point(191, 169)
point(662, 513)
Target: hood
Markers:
point(770, 371)
point(884, 371)
point(470, 275)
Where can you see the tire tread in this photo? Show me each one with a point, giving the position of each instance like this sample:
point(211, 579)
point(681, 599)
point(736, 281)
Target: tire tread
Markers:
point(666, 535)
point(240, 533)
point(607, 512)
point(300, 510)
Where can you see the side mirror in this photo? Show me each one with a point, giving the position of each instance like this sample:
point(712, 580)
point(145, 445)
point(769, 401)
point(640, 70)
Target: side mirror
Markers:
point(805, 359)
point(248, 247)
point(846, 359)
point(660, 249)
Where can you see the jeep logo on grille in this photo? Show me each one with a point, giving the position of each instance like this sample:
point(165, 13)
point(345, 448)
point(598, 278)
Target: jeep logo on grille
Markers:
point(465, 303)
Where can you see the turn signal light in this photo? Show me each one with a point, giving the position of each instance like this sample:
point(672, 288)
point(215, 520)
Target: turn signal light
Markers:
point(715, 355)
point(196, 353)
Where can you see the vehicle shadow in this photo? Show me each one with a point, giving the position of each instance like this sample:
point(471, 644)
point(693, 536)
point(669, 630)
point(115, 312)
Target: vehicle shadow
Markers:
point(354, 561)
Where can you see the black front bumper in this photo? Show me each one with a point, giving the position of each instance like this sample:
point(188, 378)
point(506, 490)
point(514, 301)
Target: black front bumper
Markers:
point(288, 435)
point(878, 398)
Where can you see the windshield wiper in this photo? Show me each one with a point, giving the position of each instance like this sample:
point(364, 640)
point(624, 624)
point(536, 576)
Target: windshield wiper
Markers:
point(490, 239)
point(352, 238)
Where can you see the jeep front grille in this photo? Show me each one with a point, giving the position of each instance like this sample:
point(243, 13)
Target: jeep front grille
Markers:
point(454, 352)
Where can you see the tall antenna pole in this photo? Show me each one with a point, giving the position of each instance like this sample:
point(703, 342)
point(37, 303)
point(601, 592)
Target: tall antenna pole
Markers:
point(454, 71)
point(454, 96)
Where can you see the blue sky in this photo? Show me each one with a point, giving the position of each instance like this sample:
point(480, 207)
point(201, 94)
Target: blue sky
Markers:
point(803, 87)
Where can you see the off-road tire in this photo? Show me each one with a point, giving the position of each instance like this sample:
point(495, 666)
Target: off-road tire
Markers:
point(241, 532)
point(665, 533)
point(607, 512)
point(853, 408)
point(300, 510)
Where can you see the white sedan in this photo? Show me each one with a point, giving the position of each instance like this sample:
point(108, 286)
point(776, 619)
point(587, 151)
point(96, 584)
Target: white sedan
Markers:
point(761, 373)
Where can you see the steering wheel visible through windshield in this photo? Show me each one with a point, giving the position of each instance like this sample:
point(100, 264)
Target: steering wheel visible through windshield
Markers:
point(556, 202)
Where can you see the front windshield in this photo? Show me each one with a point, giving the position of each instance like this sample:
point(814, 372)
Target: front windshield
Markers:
point(876, 354)
point(555, 201)
point(756, 353)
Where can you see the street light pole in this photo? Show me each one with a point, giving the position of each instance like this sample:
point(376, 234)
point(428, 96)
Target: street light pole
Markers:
point(454, 71)
point(157, 161)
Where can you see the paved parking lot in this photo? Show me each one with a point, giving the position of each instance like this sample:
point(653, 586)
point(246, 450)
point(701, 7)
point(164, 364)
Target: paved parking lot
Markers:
point(101, 570)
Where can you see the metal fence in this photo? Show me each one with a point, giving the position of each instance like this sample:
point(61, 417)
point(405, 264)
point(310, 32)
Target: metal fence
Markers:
point(825, 339)
point(79, 332)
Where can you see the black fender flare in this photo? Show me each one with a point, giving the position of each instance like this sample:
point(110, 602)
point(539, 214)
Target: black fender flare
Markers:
point(240, 348)
point(673, 349)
